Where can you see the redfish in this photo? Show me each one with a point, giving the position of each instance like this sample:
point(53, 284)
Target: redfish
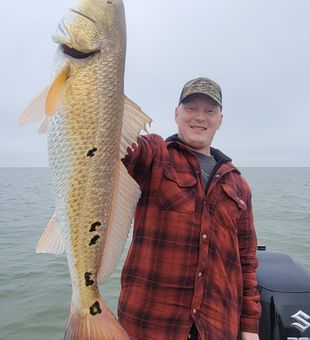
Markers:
point(90, 124)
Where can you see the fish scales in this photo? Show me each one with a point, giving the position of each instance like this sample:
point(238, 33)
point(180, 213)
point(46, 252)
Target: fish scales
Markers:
point(91, 119)
point(90, 125)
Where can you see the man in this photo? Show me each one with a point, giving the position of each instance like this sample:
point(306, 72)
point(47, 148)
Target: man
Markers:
point(190, 270)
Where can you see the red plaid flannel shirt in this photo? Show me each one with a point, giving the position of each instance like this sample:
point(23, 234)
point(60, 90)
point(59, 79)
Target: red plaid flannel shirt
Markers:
point(193, 254)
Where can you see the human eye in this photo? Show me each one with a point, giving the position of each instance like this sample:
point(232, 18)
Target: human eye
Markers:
point(190, 107)
point(212, 112)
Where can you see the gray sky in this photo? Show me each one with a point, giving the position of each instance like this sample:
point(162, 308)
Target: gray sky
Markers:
point(258, 50)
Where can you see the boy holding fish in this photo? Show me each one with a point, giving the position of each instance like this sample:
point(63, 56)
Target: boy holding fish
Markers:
point(191, 268)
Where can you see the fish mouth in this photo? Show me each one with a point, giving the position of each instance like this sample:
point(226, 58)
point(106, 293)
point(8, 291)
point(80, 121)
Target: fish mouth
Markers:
point(72, 52)
point(64, 38)
point(62, 34)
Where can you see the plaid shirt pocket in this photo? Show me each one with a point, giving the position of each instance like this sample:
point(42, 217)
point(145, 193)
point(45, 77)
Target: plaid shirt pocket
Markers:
point(229, 206)
point(176, 191)
point(234, 196)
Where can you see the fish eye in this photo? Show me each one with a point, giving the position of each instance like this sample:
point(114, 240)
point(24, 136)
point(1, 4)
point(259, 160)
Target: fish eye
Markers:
point(109, 2)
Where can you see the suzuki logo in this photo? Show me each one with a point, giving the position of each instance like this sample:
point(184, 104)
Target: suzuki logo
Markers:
point(302, 323)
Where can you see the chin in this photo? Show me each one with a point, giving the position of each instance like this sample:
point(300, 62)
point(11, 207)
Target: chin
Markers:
point(199, 142)
point(197, 146)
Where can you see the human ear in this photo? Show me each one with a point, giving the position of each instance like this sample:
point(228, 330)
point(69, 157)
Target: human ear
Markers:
point(176, 115)
point(220, 121)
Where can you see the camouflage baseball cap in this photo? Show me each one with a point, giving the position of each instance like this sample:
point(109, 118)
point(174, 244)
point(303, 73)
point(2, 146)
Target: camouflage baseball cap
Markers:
point(202, 85)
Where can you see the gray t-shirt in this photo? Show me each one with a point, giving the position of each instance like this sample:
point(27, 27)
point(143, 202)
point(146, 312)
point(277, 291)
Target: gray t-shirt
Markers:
point(207, 164)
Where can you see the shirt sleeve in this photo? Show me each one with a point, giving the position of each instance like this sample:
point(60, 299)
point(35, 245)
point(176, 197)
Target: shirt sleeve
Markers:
point(251, 309)
point(139, 160)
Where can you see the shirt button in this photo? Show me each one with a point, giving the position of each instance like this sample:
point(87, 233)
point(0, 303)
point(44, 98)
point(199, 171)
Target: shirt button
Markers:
point(204, 236)
point(194, 310)
point(200, 274)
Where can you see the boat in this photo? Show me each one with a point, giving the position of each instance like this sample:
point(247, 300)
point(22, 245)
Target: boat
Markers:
point(284, 286)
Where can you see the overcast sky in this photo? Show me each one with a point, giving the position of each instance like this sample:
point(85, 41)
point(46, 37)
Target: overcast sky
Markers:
point(258, 50)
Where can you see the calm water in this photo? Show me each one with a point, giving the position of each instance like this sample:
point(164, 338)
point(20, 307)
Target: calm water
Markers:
point(35, 290)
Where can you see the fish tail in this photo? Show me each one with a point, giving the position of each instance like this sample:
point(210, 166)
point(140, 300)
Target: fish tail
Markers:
point(98, 323)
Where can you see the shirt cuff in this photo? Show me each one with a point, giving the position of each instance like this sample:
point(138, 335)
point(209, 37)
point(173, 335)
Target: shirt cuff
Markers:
point(249, 325)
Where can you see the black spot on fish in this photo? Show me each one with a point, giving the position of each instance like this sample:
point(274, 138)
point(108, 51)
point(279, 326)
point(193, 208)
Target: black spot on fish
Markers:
point(109, 2)
point(88, 280)
point(95, 308)
point(91, 153)
point(94, 240)
point(94, 226)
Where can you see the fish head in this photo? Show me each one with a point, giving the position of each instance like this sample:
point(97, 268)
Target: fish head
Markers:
point(93, 26)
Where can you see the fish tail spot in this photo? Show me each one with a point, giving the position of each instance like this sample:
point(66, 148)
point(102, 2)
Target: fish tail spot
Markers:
point(95, 309)
point(94, 240)
point(88, 280)
point(91, 153)
point(94, 226)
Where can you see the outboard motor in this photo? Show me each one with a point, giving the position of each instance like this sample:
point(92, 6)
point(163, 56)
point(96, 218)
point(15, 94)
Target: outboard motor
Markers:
point(284, 286)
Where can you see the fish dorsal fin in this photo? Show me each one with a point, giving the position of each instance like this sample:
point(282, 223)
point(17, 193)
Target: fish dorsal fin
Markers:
point(125, 198)
point(134, 121)
point(55, 91)
point(35, 110)
point(51, 240)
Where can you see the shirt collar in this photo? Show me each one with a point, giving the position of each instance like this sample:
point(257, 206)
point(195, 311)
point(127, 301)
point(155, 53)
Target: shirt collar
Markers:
point(218, 155)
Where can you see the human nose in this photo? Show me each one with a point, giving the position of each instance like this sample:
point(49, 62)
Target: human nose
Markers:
point(199, 116)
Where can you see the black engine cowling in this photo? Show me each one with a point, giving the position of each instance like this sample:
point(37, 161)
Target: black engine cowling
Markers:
point(284, 286)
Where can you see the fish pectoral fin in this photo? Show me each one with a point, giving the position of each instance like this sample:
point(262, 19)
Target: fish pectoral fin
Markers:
point(46, 102)
point(51, 240)
point(34, 112)
point(134, 121)
point(43, 125)
point(55, 91)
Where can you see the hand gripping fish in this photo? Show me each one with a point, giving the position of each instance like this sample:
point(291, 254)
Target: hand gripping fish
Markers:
point(90, 125)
